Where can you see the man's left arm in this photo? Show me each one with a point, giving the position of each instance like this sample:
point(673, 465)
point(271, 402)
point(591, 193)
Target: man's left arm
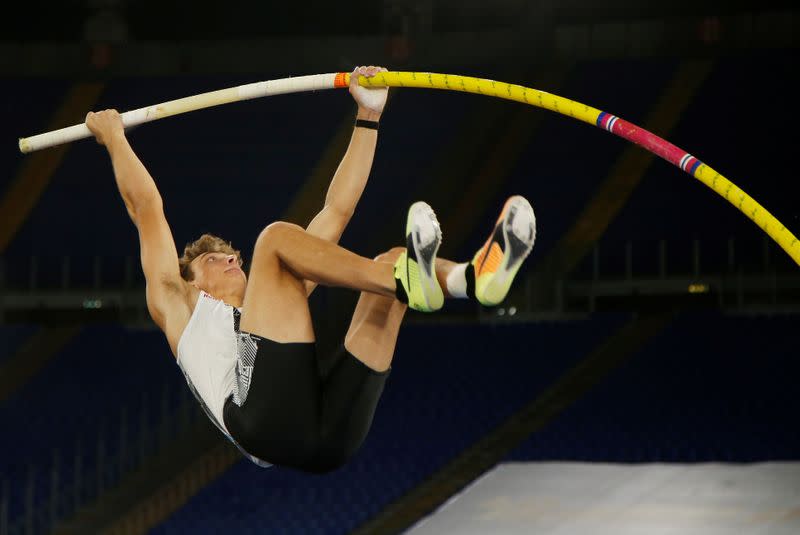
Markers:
point(351, 176)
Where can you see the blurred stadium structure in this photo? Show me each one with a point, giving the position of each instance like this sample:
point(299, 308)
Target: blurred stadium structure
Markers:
point(654, 323)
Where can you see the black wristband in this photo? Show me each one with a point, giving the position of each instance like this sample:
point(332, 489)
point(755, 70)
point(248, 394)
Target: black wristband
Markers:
point(363, 123)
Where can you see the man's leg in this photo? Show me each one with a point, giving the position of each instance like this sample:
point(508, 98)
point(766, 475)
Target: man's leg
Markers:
point(279, 418)
point(291, 416)
point(285, 254)
point(373, 331)
point(275, 302)
point(376, 321)
point(353, 387)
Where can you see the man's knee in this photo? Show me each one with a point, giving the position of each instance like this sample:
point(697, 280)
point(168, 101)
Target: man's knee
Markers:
point(276, 233)
point(391, 255)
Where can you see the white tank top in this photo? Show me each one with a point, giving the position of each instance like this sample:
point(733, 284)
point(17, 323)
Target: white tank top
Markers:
point(207, 356)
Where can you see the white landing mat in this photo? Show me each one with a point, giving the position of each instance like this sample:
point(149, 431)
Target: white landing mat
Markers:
point(623, 499)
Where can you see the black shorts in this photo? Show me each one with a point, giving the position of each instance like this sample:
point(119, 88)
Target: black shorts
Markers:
point(285, 412)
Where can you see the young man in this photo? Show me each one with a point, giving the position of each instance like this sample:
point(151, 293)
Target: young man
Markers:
point(246, 344)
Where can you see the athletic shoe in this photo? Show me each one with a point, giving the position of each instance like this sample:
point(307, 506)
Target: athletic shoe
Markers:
point(415, 270)
point(498, 261)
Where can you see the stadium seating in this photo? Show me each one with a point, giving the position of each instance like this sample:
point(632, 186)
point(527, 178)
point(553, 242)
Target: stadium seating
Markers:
point(78, 397)
point(708, 388)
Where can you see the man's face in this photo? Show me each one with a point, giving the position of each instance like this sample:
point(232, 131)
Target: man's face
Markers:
point(219, 274)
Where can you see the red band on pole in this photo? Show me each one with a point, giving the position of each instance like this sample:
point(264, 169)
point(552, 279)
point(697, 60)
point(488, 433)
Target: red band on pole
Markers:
point(648, 140)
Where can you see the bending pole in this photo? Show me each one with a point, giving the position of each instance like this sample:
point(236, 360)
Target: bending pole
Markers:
point(481, 86)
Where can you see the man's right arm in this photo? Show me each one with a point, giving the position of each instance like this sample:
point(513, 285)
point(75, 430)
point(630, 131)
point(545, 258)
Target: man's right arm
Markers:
point(166, 290)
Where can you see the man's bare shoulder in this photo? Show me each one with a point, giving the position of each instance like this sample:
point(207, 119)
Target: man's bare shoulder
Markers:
point(171, 305)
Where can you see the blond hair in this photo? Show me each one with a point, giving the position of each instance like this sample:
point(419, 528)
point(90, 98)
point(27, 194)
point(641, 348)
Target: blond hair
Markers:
point(207, 243)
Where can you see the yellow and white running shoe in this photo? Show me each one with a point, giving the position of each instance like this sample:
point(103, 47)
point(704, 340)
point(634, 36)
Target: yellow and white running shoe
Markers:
point(415, 270)
point(497, 262)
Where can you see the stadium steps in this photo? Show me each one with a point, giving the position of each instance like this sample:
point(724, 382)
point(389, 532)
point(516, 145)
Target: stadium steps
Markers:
point(32, 356)
point(159, 487)
point(496, 445)
point(37, 169)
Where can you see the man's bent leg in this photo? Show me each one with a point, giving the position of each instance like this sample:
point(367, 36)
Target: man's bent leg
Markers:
point(324, 262)
point(292, 416)
point(274, 413)
point(275, 302)
point(373, 331)
point(353, 387)
point(372, 335)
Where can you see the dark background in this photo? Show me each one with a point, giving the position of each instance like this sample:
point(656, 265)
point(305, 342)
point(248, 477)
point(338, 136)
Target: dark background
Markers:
point(682, 309)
